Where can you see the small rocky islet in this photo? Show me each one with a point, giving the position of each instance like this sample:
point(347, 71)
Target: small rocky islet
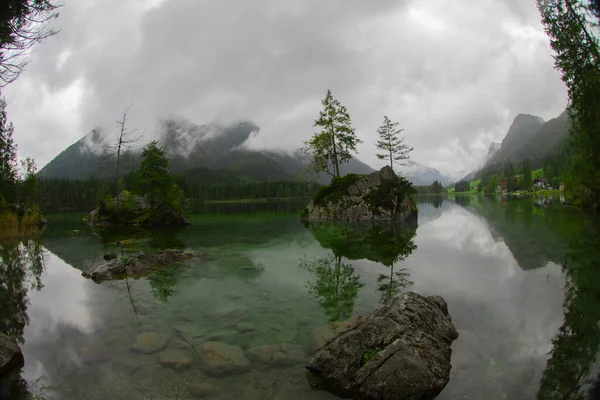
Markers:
point(380, 196)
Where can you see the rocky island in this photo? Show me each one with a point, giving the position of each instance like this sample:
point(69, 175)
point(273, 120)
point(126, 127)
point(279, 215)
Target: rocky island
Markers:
point(378, 196)
point(134, 210)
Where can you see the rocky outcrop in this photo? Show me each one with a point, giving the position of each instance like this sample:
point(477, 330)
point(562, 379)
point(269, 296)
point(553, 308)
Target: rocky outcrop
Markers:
point(400, 351)
point(135, 211)
point(10, 354)
point(379, 196)
point(136, 264)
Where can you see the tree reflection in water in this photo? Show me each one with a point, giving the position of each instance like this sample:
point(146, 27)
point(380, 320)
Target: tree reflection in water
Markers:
point(575, 347)
point(336, 285)
point(21, 266)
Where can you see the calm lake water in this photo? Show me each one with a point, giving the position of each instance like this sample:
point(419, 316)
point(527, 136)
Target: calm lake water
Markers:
point(521, 279)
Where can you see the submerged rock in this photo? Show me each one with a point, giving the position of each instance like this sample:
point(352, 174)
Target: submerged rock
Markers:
point(277, 355)
point(175, 359)
point(136, 264)
point(201, 390)
point(400, 351)
point(245, 327)
point(379, 196)
point(10, 354)
point(94, 353)
point(221, 359)
point(147, 343)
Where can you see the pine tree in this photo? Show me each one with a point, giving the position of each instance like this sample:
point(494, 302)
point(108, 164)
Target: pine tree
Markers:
point(156, 182)
point(336, 141)
point(391, 143)
point(8, 156)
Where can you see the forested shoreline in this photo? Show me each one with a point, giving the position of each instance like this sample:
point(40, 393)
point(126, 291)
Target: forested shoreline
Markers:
point(59, 195)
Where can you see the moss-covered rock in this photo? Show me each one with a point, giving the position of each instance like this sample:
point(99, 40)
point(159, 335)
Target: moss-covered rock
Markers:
point(379, 196)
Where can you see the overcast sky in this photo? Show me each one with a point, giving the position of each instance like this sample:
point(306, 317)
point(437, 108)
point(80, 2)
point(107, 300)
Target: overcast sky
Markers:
point(454, 73)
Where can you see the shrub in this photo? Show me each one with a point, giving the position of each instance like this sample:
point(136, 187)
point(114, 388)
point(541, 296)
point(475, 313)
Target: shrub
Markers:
point(336, 189)
point(387, 191)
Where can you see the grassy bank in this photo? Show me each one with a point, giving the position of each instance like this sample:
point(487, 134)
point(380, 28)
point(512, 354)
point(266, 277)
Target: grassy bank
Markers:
point(12, 227)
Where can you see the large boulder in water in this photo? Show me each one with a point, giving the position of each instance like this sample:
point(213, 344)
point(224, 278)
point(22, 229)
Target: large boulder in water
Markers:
point(136, 264)
point(401, 351)
point(378, 196)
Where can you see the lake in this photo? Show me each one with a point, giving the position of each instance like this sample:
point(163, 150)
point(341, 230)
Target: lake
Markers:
point(521, 278)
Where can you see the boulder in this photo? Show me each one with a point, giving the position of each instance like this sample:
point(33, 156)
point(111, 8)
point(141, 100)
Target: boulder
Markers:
point(277, 355)
point(245, 327)
point(10, 354)
point(148, 343)
point(201, 390)
point(136, 264)
point(94, 353)
point(221, 359)
point(400, 351)
point(378, 196)
point(175, 359)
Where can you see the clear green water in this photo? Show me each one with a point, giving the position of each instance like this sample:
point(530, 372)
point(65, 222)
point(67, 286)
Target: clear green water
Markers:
point(521, 280)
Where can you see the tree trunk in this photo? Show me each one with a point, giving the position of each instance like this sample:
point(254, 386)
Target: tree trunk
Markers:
point(391, 156)
point(336, 167)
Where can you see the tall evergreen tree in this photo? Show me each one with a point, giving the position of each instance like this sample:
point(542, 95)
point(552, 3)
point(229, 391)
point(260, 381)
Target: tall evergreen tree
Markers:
point(335, 142)
point(391, 143)
point(155, 179)
point(8, 156)
point(571, 30)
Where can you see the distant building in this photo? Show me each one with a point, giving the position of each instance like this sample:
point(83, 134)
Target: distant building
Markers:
point(503, 185)
point(541, 183)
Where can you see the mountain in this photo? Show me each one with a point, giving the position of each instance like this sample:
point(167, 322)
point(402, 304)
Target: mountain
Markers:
point(530, 137)
point(492, 150)
point(194, 151)
point(421, 175)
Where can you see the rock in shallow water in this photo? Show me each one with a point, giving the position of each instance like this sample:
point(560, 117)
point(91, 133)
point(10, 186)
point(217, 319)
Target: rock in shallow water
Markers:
point(136, 264)
point(221, 359)
point(148, 342)
point(94, 353)
point(277, 355)
point(245, 327)
point(175, 359)
point(400, 351)
point(201, 390)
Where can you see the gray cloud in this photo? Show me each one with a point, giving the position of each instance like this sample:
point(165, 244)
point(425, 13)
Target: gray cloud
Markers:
point(453, 73)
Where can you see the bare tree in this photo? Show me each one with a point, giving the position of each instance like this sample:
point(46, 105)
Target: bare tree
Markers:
point(124, 141)
point(23, 23)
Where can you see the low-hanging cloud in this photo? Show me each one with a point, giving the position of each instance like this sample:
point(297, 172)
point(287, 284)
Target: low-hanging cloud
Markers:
point(453, 73)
